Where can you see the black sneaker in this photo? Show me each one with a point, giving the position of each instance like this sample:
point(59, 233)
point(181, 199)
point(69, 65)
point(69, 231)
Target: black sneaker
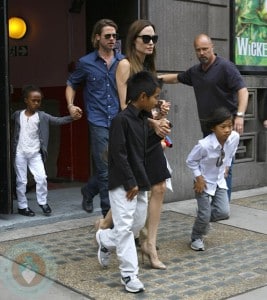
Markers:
point(26, 212)
point(46, 209)
point(87, 203)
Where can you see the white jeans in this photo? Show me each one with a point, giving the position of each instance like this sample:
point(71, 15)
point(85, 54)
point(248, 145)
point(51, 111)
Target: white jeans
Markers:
point(128, 218)
point(36, 166)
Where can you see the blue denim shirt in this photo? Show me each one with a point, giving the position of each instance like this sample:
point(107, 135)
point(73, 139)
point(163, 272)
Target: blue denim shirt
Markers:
point(100, 91)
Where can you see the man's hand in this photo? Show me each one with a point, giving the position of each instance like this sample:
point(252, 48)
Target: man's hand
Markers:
point(75, 112)
point(239, 125)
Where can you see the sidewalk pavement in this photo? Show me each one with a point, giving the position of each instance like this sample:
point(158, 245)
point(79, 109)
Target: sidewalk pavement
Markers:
point(234, 265)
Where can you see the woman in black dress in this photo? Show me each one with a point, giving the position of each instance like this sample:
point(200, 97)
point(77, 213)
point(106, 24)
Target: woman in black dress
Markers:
point(140, 55)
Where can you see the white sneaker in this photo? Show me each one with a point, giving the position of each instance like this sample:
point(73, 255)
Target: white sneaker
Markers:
point(198, 245)
point(103, 253)
point(132, 284)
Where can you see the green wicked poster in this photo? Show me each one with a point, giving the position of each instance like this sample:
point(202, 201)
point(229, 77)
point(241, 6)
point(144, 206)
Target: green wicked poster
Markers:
point(250, 36)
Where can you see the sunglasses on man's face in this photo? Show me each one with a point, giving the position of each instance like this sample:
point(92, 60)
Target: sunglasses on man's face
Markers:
point(147, 38)
point(220, 159)
point(109, 35)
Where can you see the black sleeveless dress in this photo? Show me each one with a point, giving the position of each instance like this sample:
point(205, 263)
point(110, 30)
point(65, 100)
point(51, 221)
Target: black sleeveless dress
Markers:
point(156, 164)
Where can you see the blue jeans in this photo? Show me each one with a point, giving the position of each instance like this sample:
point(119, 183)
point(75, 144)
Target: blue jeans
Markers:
point(210, 209)
point(229, 182)
point(99, 145)
point(92, 187)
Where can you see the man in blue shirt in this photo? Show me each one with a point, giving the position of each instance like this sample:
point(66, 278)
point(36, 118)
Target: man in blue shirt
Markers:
point(96, 71)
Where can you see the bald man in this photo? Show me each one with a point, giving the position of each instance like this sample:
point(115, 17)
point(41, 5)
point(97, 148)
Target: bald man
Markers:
point(216, 82)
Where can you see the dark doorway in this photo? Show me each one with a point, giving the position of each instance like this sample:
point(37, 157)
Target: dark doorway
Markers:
point(122, 12)
point(5, 159)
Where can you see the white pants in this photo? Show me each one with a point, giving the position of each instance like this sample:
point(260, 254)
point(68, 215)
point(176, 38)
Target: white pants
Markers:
point(128, 218)
point(36, 166)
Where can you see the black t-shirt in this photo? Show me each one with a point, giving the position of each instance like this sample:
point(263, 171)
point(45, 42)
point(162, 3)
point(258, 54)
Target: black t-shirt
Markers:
point(215, 87)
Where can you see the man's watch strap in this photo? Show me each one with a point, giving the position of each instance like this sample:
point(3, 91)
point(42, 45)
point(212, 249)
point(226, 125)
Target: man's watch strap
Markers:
point(240, 114)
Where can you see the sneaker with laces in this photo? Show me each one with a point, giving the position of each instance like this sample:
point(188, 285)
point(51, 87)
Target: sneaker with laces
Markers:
point(198, 245)
point(103, 253)
point(132, 284)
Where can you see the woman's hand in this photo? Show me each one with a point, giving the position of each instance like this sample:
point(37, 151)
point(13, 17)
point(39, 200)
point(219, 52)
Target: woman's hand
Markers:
point(164, 107)
point(161, 110)
point(162, 127)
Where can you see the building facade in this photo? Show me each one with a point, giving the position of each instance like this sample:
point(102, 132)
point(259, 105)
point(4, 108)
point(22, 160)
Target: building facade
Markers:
point(59, 33)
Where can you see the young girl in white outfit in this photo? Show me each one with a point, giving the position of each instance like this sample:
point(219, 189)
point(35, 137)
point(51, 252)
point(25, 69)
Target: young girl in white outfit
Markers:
point(30, 141)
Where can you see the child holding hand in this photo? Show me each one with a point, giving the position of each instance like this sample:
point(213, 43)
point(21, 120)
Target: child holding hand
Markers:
point(30, 142)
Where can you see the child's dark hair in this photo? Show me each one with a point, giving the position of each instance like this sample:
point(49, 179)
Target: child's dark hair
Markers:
point(27, 89)
point(218, 116)
point(141, 82)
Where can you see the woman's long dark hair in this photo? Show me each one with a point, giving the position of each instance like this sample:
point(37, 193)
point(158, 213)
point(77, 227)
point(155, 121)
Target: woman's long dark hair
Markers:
point(130, 49)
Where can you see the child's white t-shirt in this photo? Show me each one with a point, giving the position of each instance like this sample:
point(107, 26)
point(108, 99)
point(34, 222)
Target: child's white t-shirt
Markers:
point(29, 141)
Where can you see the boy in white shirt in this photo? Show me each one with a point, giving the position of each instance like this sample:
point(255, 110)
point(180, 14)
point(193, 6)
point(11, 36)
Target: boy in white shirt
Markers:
point(209, 161)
